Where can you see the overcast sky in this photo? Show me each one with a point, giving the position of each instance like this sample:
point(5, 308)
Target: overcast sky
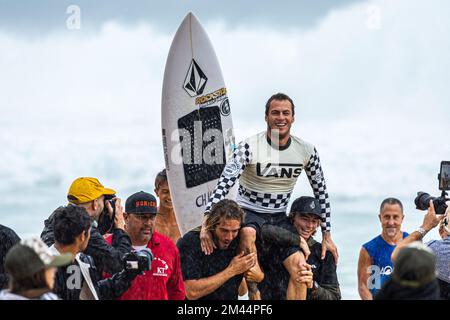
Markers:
point(37, 17)
point(373, 73)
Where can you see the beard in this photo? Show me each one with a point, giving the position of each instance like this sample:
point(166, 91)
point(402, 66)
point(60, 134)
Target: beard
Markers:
point(391, 232)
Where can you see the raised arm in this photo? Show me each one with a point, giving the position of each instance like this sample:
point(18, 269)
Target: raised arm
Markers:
point(230, 174)
point(317, 181)
point(430, 221)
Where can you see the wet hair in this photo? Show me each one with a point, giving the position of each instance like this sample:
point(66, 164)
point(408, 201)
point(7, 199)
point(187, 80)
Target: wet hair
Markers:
point(69, 223)
point(227, 209)
point(161, 177)
point(391, 201)
point(33, 282)
point(279, 97)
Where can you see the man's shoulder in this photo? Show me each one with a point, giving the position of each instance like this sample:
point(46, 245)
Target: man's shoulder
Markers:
point(164, 240)
point(315, 247)
point(190, 238)
point(300, 143)
point(254, 138)
point(439, 244)
point(367, 245)
point(7, 232)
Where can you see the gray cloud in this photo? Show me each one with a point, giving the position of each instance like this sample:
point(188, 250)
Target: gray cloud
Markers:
point(38, 17)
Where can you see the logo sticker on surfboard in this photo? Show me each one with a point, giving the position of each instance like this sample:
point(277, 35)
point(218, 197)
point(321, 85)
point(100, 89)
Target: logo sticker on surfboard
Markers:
point(195, 80)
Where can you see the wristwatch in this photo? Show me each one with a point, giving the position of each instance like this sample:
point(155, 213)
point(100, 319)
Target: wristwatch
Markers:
point(422, 231)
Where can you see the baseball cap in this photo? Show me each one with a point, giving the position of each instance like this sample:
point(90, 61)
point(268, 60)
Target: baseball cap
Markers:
point(30, 256)
point(415, 265)
point(85, 189)
point(141, 203)
point(304, 205)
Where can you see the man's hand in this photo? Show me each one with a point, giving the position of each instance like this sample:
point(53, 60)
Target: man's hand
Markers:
point(119, 221)
point(254, 274)
point(431, 220)
point(241, 263)
point(305, 248)
point(328, 244)
point(306, 276)
point(206, 239)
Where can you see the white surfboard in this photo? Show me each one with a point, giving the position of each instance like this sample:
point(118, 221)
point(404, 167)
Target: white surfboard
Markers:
point(197, 128)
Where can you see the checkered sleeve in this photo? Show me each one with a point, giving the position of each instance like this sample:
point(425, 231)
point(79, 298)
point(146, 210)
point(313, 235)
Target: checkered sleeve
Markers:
point(317, 181)
point(230, 174)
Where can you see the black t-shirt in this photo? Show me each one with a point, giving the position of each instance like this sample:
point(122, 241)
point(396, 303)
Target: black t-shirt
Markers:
point(8, 238)
point(276, 279)
point(196, 265)
point(324, 271)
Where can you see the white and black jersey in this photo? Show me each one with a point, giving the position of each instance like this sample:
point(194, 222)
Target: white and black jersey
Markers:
point(267, 175)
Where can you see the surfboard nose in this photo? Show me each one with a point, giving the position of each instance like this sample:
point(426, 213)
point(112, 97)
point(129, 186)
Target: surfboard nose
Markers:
point(191, 18)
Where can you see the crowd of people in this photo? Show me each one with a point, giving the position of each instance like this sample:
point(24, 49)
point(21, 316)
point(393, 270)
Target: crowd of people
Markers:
point(93, 248)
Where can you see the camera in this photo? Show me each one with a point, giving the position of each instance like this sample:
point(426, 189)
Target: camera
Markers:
point(422, 200)
point(105, 222)
point(138, 261)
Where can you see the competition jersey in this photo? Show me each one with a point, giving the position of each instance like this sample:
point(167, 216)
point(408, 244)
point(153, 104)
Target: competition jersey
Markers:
point(380, 252)
point(267, 175)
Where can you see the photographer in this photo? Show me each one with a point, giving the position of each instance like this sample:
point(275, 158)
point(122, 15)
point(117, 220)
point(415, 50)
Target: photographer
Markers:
point(164, 281)
point(79, 280)
point(90, 194)
point(441, 248)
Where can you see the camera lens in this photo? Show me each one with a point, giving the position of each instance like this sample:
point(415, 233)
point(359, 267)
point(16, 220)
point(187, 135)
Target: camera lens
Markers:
point(422, 200)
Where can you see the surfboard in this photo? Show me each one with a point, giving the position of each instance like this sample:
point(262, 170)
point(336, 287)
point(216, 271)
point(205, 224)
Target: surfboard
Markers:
point(197, 127)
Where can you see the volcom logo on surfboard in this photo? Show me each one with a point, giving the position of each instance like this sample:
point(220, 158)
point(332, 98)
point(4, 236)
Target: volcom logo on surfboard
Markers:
point(195, 80)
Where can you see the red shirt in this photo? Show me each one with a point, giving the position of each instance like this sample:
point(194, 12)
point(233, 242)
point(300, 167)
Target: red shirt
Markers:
point(164, 281)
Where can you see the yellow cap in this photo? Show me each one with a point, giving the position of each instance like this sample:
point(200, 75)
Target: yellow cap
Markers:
point(85, 189)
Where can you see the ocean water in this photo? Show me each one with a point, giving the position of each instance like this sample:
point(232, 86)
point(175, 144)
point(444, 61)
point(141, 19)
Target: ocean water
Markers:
point(40, 160)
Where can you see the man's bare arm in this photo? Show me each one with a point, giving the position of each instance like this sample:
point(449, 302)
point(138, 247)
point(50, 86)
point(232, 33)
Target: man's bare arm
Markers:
point(364, 262)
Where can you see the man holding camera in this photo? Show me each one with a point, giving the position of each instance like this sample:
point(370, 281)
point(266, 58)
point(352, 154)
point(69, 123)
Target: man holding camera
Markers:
point(164, 280)
point(440, 248)
point(80, 280)
point(90, 194)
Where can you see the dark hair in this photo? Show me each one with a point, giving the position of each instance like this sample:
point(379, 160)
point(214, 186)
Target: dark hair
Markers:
point(391, 201)
point(69, 223)
point(35, 281)
point(279, 96)
point(160, 178)
point(225, 208)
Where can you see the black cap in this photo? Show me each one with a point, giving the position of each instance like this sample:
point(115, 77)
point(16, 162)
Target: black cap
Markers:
point(415, 265)
point(305, 205)
point(141, 203)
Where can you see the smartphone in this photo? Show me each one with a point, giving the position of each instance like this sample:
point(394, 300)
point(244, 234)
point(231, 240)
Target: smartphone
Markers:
point(444, 176)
